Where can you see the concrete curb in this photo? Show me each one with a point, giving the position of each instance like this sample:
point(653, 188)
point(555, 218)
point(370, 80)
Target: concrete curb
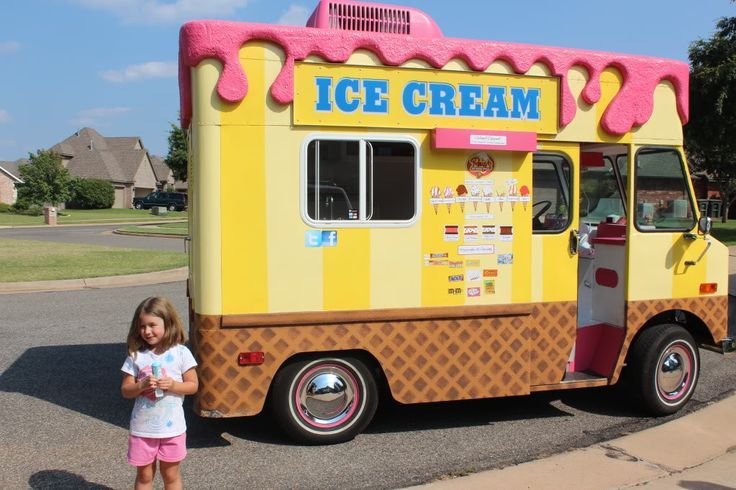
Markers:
point(160, 277)
point(151, 235)
point(695, 448)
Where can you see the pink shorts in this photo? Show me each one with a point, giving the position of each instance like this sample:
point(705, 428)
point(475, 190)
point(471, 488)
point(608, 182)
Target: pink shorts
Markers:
point(143, 451)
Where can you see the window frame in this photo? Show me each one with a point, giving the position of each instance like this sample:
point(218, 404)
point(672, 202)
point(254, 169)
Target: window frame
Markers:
point(688, 188)
point(364, 141)
point(571, 208)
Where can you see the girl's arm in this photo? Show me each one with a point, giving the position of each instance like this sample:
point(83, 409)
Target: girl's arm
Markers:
point(132, 388)
point(188, 386)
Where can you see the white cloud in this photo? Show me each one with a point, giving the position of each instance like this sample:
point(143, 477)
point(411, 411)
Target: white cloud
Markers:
point(90, 117)
point(5, 116)
point(152, 69)
point(296, 15)
point(9, 46)
point(165, 11)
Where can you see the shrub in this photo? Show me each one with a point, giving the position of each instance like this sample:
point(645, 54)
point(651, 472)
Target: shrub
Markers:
point(20, 206)
point(4, 208)
point(91, 194)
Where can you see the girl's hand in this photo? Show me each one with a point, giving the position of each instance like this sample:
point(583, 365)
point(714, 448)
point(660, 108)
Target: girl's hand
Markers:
point(149, 382)
point(165, 383)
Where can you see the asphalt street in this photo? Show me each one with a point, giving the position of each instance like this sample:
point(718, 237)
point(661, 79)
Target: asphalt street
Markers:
point(63, 423)
point(93, 235)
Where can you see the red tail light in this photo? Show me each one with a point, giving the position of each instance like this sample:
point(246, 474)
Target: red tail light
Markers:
point(251, 358)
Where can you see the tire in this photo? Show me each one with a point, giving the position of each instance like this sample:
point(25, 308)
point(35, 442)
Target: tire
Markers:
point(664, 368)
point(138, 205)
point(344, 408)
point(171, 207)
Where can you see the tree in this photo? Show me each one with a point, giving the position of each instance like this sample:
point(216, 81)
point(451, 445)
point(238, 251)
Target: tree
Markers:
point(45, 180)
point(710, 136)
point(177, 159)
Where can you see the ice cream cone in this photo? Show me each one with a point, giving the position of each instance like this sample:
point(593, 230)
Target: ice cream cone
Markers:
point(448, 195)
point(435, 206)
point(488, 194)
point(462, 206)
point(513, 205)
point(524, 203)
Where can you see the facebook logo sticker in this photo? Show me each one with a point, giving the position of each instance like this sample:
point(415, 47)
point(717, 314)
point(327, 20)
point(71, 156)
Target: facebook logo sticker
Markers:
point(317, 238)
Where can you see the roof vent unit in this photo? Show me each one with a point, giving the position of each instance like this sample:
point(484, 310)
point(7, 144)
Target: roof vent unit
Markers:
point(346, 15)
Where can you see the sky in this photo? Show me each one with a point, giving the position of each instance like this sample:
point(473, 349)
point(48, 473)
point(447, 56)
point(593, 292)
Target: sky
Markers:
point(112, 64)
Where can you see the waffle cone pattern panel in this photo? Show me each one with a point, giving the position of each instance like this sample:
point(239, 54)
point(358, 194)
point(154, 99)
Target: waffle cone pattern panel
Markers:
point(552, 338)
point(713, 310)
point(424, 360)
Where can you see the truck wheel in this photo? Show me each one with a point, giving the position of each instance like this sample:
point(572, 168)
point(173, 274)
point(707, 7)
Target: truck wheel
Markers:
point(172, 207)
point(664, 368)
point(137, 205)
point(324, 401)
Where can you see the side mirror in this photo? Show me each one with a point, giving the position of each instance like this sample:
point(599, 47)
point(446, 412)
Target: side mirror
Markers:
point(705, 224)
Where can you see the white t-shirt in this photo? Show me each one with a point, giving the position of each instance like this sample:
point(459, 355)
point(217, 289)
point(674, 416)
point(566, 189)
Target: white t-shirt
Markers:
point(162, 417)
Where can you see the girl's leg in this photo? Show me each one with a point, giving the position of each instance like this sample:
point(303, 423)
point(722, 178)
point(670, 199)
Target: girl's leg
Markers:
point(144, 476)
point(171, 475)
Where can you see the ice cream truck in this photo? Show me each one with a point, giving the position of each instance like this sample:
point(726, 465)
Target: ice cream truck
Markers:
point(378, 210)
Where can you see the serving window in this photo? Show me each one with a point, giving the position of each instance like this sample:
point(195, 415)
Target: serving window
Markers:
point(360, 180)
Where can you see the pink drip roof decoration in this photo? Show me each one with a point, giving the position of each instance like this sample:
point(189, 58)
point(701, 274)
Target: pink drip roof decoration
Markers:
point(632, 105)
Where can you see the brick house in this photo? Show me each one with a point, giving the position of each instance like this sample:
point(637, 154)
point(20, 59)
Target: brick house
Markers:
point(122, 161)
point(9, 179)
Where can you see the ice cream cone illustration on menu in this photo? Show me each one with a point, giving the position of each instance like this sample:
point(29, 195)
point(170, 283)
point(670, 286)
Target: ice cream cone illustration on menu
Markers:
point(475, 194)
point(448, 195)
point(487, 195)
point(434, 193)
point(501, 199)
point(512, 192)
point(462, 191)
point(524, 191)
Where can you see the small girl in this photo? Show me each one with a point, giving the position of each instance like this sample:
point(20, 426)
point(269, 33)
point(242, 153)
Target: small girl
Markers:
point(157, 426)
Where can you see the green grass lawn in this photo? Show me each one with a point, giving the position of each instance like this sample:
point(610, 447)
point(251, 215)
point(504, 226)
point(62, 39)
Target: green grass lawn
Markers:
point(725, 232)
point(82, 216)
point(175, 229)
point(29, 260)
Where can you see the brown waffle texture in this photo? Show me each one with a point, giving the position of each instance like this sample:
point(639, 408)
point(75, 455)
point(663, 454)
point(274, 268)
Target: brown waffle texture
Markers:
point(713, 310)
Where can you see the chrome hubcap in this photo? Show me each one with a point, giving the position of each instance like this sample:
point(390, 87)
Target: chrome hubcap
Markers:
point(674, 373)
point(326, 396)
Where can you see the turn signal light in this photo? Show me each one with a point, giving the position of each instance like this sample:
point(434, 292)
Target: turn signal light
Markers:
point(251, 358)
point(708, 287)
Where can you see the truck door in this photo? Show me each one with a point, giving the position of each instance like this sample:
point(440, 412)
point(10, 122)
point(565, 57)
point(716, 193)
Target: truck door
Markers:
point(554, 260)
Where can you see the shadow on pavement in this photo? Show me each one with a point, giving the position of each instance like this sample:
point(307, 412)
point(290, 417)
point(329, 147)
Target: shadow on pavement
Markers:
point(60, 479)
point(90, 385)
point(701, 485)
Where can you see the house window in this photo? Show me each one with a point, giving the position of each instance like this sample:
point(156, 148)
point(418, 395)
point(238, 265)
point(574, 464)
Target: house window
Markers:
point(551, 183)
point(663, 201)
point(353, 181)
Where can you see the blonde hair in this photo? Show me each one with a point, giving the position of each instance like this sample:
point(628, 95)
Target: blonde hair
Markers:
point(162, 308)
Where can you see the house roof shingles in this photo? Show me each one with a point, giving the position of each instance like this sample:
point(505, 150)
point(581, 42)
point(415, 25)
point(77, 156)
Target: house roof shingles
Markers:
point(11, 169)
point(94, 156)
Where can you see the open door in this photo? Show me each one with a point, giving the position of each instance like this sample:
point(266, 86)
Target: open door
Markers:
point(554, 260)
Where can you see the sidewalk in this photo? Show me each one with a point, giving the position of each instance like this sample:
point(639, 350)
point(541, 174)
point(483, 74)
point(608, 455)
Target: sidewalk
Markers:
point(697, 451)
